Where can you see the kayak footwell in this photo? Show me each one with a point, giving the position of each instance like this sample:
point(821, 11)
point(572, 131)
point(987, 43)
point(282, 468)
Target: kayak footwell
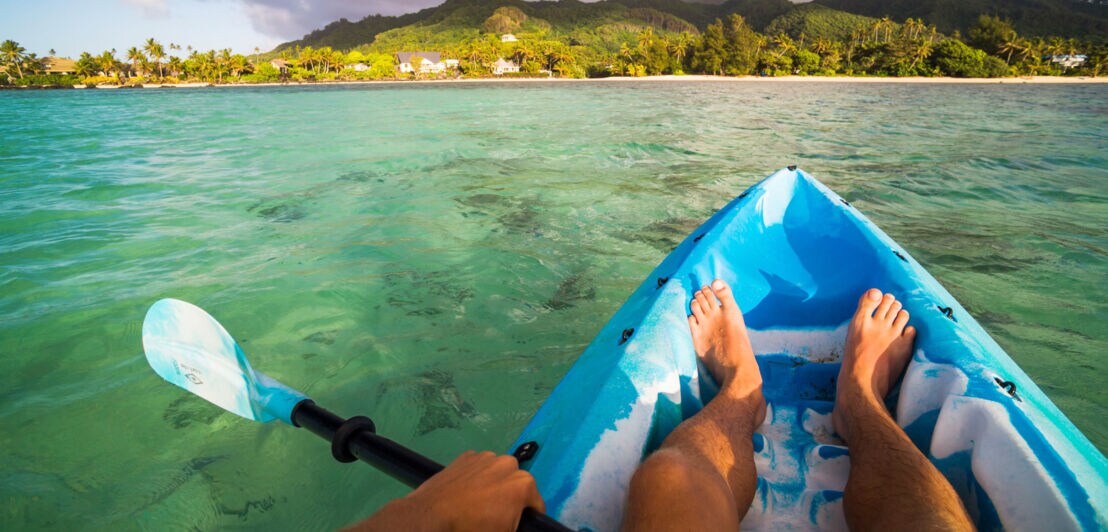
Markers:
point(798, 257)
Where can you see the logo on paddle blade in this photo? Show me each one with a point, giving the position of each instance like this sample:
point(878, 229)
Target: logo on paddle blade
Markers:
point(192, 374)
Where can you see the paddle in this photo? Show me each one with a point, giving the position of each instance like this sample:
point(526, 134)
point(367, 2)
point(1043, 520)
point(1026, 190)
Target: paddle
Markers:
point(189, 348)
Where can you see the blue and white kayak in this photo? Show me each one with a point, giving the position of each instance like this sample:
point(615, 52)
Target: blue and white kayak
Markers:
point(798, 256)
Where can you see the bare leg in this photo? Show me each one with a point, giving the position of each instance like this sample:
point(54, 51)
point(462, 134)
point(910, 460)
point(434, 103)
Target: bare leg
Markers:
point(703, 477)
point(892, 485)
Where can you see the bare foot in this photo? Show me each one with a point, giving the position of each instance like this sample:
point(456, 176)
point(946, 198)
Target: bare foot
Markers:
point(722, 343)
point(878, 346)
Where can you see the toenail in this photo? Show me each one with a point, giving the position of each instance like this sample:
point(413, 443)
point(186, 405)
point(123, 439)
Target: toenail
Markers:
point(874, 294)
point(718, 284)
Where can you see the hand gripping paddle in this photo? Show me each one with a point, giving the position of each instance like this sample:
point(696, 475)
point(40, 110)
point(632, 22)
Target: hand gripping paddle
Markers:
point(189, 348)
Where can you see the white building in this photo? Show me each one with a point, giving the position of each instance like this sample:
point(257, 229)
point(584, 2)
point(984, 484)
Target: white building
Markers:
point(429, 62)
point(508, 37)
point(357, 67)
point(504, 67)
point(451, 63)
point(1069, 61)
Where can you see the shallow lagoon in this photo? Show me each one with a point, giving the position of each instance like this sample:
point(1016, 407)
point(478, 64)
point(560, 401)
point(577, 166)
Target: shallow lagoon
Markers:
point(437, 256)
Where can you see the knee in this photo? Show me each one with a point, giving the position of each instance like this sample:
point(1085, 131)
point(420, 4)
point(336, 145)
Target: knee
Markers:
point(666, 467)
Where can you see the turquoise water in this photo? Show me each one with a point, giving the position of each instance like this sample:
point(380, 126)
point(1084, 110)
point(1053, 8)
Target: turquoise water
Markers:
point(437, 257)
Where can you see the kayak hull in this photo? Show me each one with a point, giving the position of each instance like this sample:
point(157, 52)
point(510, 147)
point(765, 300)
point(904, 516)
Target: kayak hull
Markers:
point(798, 257)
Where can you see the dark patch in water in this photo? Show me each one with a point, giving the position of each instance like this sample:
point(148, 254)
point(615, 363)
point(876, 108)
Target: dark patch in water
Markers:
point(187, 410)
point(321, 337)
point(524, 219)
point(279, 211)
point(360, 177)
point(282, 213)
point(664, 235)
point(482, 201)
point(440, 404)
point(261, 505)
point(571, 290)
point(308, 356)
point(987, 317)
point(654, 147)
point(435, 283)
point(167, 485)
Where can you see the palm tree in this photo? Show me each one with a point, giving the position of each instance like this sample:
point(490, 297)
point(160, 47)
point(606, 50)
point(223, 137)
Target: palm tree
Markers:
point(156, 52)
point(175, 66)
point(307, 55)
point(679, 47)
point(256, 52)
point(135, 57)
point(237, 64)
point(13, 54)
point(646, 37)
point(1011, 45)
point(921, 51)
point(53, 52)
point(337, 60)
point(86, 65)
point(784, 43)
point(222, 62)
point(107, 61)
point(821, 46)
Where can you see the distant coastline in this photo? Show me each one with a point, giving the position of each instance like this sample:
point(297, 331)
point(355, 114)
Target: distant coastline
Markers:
point(1019, 80)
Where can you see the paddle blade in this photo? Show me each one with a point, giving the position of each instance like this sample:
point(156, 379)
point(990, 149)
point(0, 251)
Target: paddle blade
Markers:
point(189, 348)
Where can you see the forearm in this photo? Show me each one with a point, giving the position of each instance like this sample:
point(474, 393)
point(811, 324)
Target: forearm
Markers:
point(400, 514)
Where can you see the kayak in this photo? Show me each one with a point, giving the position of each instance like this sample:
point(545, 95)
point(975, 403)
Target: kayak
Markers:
point(798, 256)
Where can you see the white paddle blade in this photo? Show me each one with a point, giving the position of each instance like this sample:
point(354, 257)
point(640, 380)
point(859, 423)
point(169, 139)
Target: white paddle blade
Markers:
point(189, 348)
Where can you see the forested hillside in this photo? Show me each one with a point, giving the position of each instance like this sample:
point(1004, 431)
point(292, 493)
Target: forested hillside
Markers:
point(830, 19)
point(1039, 18)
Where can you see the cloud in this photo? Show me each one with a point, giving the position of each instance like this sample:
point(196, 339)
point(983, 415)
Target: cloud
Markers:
point(291, 19)
point(150, 8)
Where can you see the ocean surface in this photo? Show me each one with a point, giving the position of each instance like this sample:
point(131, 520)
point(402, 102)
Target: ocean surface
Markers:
point(437, 256)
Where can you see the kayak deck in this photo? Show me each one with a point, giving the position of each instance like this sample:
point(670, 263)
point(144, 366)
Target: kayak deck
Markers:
point(798, 257)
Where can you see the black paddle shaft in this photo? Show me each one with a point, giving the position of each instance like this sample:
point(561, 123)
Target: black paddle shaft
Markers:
point(355, 439)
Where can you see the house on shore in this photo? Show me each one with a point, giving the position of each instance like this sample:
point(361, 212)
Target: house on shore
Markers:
point(508, 37)
point(1069, 61)
point(59, 65)
point(501, 67)
point(429, 62)
point(281, 65)
point(357, 67)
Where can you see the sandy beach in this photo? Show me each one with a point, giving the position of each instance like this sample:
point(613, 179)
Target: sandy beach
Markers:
point(1022, 80)
point(718, 79)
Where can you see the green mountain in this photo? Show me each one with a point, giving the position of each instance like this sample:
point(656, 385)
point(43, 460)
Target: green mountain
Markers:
point(607, 24)
point(1063, 18)
point(815, 20)
point(459, 20)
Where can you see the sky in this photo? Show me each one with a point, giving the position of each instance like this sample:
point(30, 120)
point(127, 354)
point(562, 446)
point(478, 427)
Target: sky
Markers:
point(73, 26)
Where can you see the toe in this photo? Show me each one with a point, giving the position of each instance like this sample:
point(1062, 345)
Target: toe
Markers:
point(869, 302)
point(909, 331)
point(697, 310)
point(710, 296)
point(706, 305)
point(900, 321)
point(693, 323)
point(723, 292)
point(883, 308)
point(894, 311)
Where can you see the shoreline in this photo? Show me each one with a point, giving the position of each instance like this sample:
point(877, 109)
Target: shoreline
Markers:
point(1023, 80)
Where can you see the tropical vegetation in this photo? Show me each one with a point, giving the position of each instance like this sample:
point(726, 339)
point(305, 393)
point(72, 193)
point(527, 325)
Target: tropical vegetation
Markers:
point(574, 39)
